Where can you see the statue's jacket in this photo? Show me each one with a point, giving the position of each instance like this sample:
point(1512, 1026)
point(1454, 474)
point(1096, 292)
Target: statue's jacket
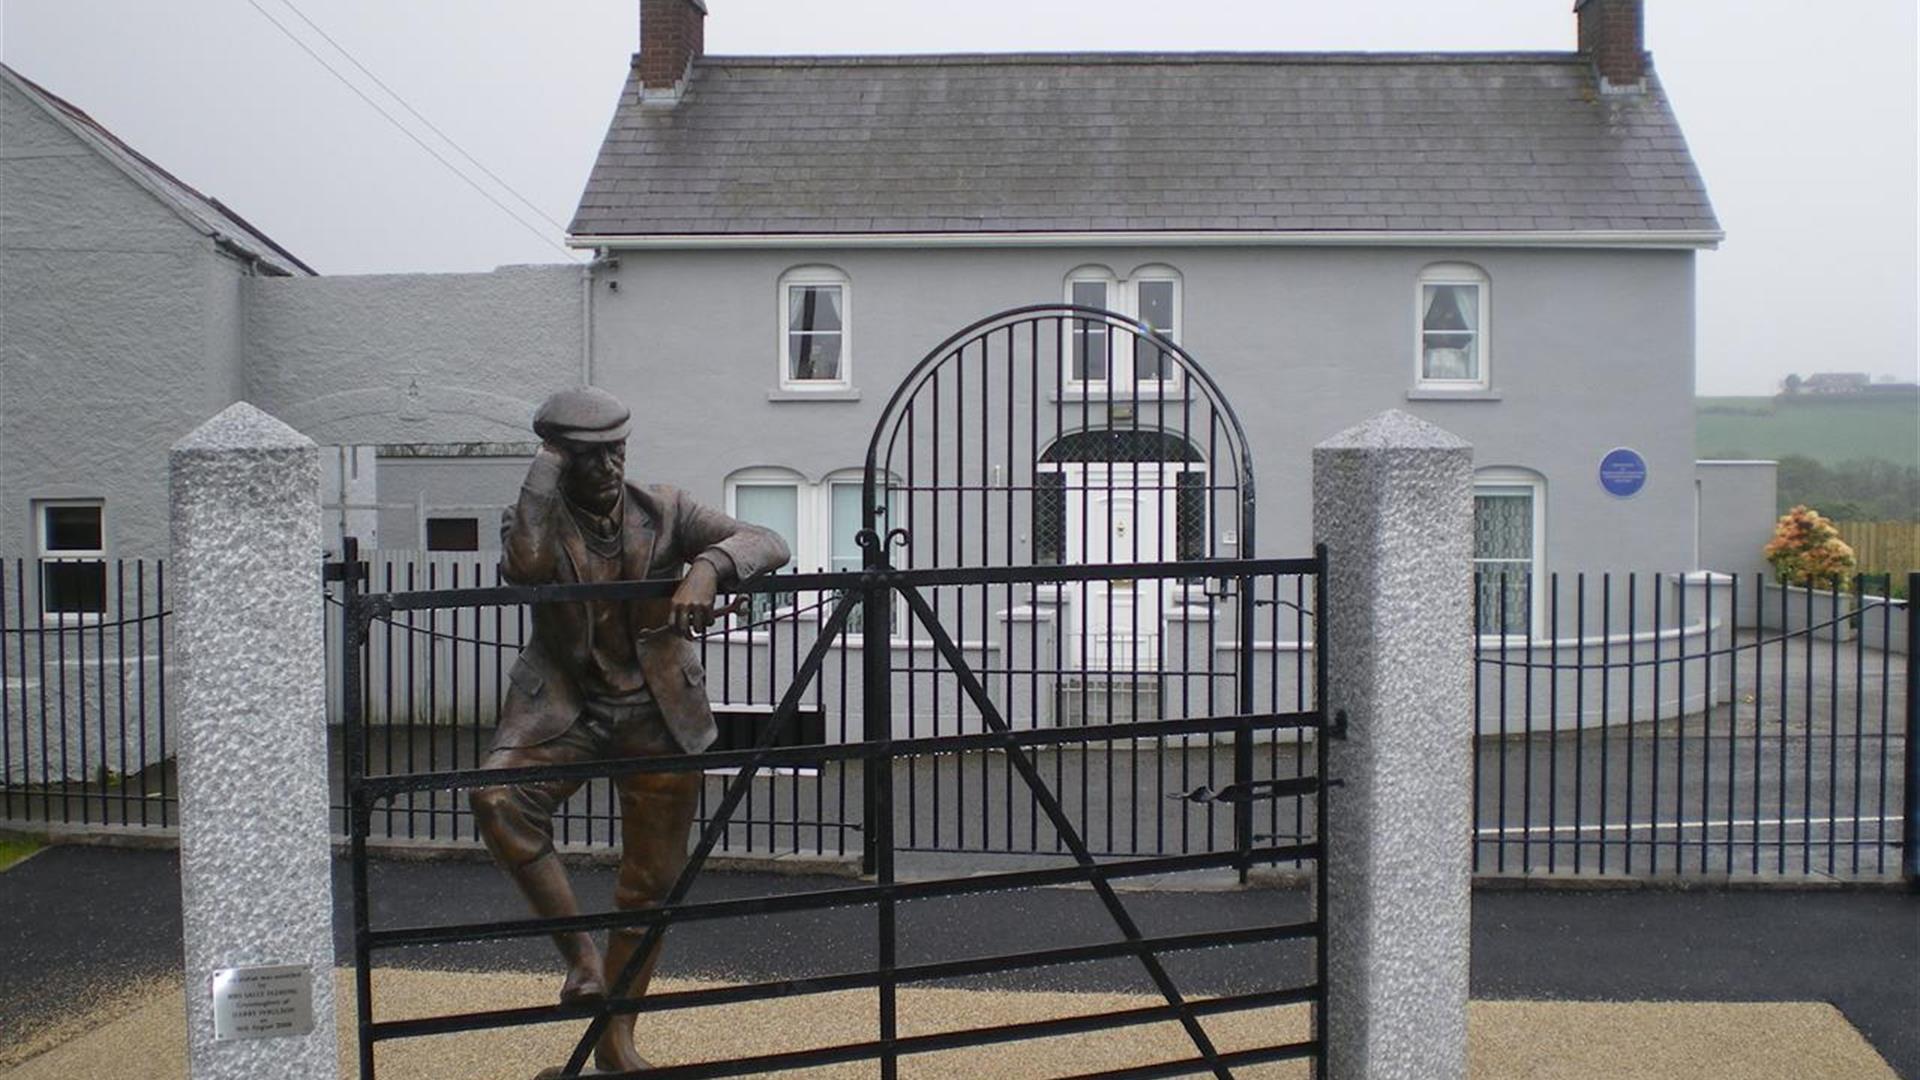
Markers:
point(663, 530)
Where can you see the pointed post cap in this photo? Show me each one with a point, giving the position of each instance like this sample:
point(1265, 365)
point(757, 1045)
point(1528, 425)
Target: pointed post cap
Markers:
point(1395, 430)
point(241, 427)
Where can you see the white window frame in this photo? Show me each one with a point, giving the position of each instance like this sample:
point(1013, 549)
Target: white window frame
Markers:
point(1454, 274)
point(813, 544)
point(805, 529)
point(853, 478)
point(1509, 480)
point(45, 556)
point(843, 478)
point(815, 276)
point(1123, 298)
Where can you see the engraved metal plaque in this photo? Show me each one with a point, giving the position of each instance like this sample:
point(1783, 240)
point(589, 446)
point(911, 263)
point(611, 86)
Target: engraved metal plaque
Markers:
point(263, 1002)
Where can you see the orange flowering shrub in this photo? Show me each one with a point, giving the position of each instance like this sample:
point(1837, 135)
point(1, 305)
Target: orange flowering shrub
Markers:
point(1807, 550)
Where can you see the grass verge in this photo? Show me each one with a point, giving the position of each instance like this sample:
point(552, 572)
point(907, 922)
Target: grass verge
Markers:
point(12, 851)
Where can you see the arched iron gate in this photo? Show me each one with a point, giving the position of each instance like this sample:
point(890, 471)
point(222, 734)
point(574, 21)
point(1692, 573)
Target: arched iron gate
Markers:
point(971, 427)
point(1071, 437)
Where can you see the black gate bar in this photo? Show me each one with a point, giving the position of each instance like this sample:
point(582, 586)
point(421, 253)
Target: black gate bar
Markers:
point(850, 590)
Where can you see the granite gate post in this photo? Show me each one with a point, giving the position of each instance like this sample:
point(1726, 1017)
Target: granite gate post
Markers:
point(1393, 502)
point(256, 896)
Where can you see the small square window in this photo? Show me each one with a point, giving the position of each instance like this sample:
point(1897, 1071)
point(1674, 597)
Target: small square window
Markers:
point(453, 534)
point(73, 528)
point(73, 567)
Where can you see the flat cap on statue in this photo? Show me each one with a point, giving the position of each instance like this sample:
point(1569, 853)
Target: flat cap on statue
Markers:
point(584, 414)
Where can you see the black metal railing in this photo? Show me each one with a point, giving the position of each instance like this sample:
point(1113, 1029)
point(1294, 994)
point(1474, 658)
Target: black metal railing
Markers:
point(982, 720)
point(433, 678)
point(84, 738)
point(1657, 725)
point(1599, 753)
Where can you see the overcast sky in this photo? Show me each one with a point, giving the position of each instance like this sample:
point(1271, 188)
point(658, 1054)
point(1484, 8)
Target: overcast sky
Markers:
point(1802, 117)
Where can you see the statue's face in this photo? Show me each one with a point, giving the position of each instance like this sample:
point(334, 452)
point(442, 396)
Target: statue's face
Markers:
point(595, 472)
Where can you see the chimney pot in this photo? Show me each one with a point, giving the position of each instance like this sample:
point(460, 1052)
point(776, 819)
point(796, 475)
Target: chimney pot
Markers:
point(672, 37)
point(1613, 37)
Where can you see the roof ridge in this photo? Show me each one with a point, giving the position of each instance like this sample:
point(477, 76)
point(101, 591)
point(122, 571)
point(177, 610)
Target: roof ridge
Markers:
point(75, 115)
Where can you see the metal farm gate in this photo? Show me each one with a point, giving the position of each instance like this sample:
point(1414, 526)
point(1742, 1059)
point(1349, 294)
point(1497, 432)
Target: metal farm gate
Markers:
point(1057, 648)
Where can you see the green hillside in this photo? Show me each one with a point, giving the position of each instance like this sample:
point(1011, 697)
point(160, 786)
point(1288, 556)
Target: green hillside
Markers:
point(1829, 430)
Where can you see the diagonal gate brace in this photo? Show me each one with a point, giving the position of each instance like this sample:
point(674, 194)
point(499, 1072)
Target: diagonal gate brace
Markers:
point(1050, 805)
point(783, 714)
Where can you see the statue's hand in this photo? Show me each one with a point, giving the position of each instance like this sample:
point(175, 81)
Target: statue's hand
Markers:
point(693, 601)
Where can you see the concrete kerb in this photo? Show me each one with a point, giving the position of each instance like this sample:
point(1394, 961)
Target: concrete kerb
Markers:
point(255, 863)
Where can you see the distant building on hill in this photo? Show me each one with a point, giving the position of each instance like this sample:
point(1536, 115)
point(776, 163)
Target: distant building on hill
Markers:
point(1828, 384)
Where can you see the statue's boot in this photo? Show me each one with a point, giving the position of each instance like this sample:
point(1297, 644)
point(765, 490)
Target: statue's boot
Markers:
point(615, 1051)
point(544, 882)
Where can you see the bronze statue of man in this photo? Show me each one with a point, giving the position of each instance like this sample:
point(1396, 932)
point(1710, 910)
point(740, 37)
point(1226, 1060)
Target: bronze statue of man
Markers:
point(607, 679)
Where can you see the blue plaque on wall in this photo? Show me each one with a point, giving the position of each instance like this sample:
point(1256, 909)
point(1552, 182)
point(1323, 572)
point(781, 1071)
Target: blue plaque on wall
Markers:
point(1623, 472)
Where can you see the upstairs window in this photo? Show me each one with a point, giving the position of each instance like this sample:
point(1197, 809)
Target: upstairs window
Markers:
point(1100, 355)
point(1453, 328)
point(814, 329)
point(1089, 362)
point(1154, 303)
point(73, 566)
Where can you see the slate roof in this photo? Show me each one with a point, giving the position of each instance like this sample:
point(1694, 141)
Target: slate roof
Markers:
point(1121, 142)
point(204, 212)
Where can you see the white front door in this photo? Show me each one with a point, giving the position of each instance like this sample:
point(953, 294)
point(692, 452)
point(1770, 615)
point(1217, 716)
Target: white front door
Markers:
point(1118, 513)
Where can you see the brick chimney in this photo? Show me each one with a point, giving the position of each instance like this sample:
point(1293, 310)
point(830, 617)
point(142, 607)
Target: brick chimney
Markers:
point(672, 37)
point(1613, 35)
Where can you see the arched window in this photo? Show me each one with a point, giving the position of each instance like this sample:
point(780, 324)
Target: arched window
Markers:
point(1451, 343)
point(1509, 548)
point(1092, 287)
point(1149, 295)
point(816, 329)
point(1156, 303)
